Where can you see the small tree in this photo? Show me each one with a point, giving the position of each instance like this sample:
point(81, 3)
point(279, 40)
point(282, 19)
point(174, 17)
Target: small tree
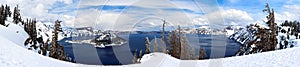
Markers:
point(173, 40)
point(155, 45)
point(4, 13)
point(162, 46)
point(202, 54)
point(17, 15)
point(45, 48)
point(140, 55)
point(134, 60)
point(30, 29)
point(147, 46)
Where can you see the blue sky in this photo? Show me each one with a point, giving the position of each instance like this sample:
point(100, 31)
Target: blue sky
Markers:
point(147, 14)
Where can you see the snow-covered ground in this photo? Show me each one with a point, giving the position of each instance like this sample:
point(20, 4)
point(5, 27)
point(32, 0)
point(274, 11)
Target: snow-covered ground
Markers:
point(280, 58)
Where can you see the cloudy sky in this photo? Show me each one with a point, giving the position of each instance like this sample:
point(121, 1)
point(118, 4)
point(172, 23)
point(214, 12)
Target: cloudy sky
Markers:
point(148, 14)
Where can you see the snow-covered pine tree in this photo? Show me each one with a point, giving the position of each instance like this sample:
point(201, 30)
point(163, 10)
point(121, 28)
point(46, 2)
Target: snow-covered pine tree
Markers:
point(30, 29)
point(175, 45)
point(185, 48)
point(140, 55)
point(4, 13)
point(134, 60)
point(155, 45)
point(17, 15)
point(147, 51)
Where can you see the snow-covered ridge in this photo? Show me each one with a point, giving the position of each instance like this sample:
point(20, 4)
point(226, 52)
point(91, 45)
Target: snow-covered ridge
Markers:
point(245, 35)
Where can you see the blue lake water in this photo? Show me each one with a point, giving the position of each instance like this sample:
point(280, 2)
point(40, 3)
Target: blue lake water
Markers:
point(216, 46)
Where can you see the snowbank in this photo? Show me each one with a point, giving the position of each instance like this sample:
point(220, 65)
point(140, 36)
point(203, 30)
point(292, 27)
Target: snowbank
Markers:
point(12, 55)
point(13, 33)
point(280, 58)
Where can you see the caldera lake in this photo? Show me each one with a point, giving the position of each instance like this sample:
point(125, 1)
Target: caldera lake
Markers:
point(216, 46)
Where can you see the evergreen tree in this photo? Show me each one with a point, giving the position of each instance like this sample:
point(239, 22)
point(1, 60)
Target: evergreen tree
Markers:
point(185, 48)
point(140, 55)
point(134, 60)
point(202, 54)
point(30, 29)
point(45, 48)
point(17, 15)
point(147, 46)
point(173, 40)
point(155, 45)
point(192, 54)
point(4, 13)
point(56, 50)
point(179, 45)
point(163, 46)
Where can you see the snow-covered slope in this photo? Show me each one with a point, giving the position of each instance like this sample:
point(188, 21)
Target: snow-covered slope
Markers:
point(280, 58)
point(13, 33)
point(245, 35)
point(12, 55)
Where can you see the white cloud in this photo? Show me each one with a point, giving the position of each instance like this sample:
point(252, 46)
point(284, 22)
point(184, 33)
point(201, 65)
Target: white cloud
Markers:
point(36, 8)
point(106, 2)
point(236, 17)
point(86, 17)
point(290, 12)
point(227, 17)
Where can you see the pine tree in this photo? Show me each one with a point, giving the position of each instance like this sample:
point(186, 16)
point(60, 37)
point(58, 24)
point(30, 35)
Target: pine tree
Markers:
point(179, 45)
point(192, 54)
point(16, 15)
point(163, 30)
point(274, 29)
point(4, 13)
point(163, 47)
point(185, 50)
point(202, 54)
point(162, 40)
point(45, 48)
point(134, 60)
point(155, 45)
point(56, 50)
point(147, 46)
point(140, 55)
point(2, 21)
point(30, 29)
point(173, 40)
